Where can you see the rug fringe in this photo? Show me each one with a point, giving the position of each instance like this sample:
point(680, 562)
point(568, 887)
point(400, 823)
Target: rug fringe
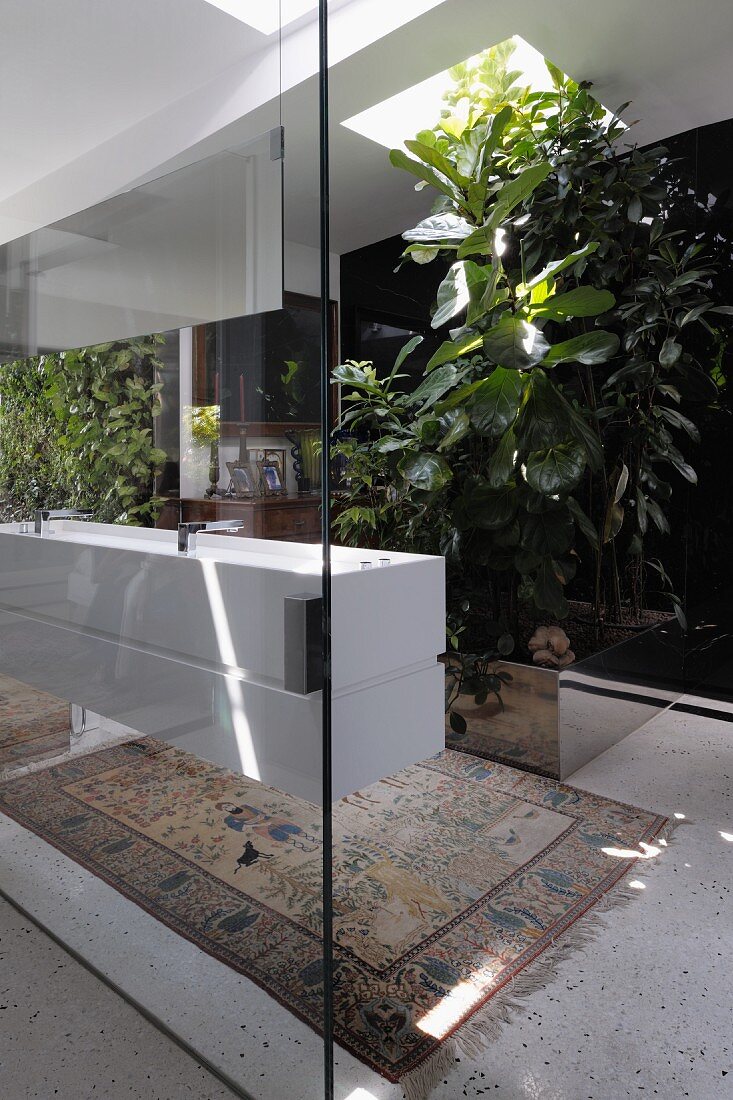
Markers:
point(485, 1026)
point(420, 1082)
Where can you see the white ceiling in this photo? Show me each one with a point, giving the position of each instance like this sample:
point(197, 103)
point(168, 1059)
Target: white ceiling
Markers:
point(98, 93)
point(76, 72)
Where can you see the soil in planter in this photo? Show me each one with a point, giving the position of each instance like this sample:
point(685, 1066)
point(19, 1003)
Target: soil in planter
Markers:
point(579, 628)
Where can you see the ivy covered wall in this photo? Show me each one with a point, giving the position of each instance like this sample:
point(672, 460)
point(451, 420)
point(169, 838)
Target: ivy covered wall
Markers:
point(76, 430)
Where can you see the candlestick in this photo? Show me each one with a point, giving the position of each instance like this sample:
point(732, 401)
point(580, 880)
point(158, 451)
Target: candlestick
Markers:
point(241, 399)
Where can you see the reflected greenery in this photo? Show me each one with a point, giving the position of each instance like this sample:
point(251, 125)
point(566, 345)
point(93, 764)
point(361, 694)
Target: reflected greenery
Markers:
point(76, 430)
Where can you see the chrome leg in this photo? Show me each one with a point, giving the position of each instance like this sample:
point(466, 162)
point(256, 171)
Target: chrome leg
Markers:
point(77, 721)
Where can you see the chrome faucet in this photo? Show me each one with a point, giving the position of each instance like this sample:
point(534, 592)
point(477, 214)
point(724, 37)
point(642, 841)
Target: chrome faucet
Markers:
point(187, 532)
point(45, 515)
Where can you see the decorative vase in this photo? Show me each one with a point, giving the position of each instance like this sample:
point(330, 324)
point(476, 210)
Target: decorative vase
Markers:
point(214, 471)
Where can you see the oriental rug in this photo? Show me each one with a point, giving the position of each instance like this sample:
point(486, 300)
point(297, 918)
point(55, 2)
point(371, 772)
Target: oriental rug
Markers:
point(33, 725)
point(458, 883)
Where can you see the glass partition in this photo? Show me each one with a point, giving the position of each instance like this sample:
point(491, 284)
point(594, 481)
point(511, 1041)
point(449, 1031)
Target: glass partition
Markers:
point(164, 582)
point(157, 257)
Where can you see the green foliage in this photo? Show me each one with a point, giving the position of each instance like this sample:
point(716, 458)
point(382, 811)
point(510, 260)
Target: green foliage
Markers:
point(204, 421)
point(581, 323)
point(76, 429)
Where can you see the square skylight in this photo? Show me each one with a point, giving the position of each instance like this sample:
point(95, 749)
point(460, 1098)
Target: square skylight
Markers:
point(264, 15)
point(400, 117)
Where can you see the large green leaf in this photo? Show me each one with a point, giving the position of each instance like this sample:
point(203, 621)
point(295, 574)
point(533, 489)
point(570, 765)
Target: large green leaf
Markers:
point(542, 419)
point(490, 509)
point(405, 350)
point(444, 228)
point(499, 124)
point(400, 159)
point(670, 352)
point(556, 470)
point(677, 420)
point(433, 387)
point(516, 191)
point(590, 348)
point(547, 591)
point(494, 404)
point(351, 374)
point(458, 426)
point(583, 522)
point(658, 516)
point(639, 372)
point(465, 281)
point(482, 292)
point(556, 266)
point(425, 471)
point(548, 533)
point(478, 243)
point(583, 301)
point(468, 150)
point(585, 434)
point(421, 254)
point(454, 349)
point(502, 462)
point(429, 155)
point(458, 397)
point(515, 343)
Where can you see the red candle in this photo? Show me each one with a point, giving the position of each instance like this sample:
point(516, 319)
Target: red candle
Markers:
point(241, 399)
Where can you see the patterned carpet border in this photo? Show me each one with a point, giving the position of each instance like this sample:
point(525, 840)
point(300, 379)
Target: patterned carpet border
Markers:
point(363, 1026)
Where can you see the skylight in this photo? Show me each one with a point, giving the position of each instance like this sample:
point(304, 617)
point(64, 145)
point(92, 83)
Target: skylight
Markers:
point(417, 108)
point(264, 15)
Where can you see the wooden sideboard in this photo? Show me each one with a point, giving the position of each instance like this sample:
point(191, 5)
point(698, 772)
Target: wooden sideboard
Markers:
point(291, 519)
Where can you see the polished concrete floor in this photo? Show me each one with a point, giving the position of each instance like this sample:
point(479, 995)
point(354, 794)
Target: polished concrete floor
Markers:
point(65, 1033)
point(644, 1010)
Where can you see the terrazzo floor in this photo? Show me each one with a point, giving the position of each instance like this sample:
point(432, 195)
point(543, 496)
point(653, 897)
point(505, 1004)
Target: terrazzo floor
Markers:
point(65, 1033)
point(644, 1010)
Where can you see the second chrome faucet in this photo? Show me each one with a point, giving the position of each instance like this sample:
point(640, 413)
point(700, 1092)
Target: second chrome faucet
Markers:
point(188, 532)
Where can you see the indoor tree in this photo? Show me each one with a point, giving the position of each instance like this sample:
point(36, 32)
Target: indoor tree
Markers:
point(582, 323)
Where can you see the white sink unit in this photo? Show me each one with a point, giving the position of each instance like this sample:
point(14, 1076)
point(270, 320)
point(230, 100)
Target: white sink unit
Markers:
point(191, 649)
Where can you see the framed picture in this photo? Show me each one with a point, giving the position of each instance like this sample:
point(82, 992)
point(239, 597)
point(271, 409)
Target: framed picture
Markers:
point(272, 456)
point(271, 479)
point(243, 482)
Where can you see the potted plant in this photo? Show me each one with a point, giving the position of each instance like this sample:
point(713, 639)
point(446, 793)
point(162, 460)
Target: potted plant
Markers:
point(540, 450)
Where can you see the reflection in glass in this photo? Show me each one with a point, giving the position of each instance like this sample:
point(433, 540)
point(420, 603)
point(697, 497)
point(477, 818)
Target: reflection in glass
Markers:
point(179, 250)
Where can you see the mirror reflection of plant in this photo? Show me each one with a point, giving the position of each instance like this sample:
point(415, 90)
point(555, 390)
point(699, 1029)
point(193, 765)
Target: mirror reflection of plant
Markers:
point(477, 674)
point(204, 424)
point(98, 405)
point(521, 435)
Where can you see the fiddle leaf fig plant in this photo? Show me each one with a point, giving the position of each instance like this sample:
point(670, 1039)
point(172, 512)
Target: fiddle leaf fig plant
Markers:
point(538, 436)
